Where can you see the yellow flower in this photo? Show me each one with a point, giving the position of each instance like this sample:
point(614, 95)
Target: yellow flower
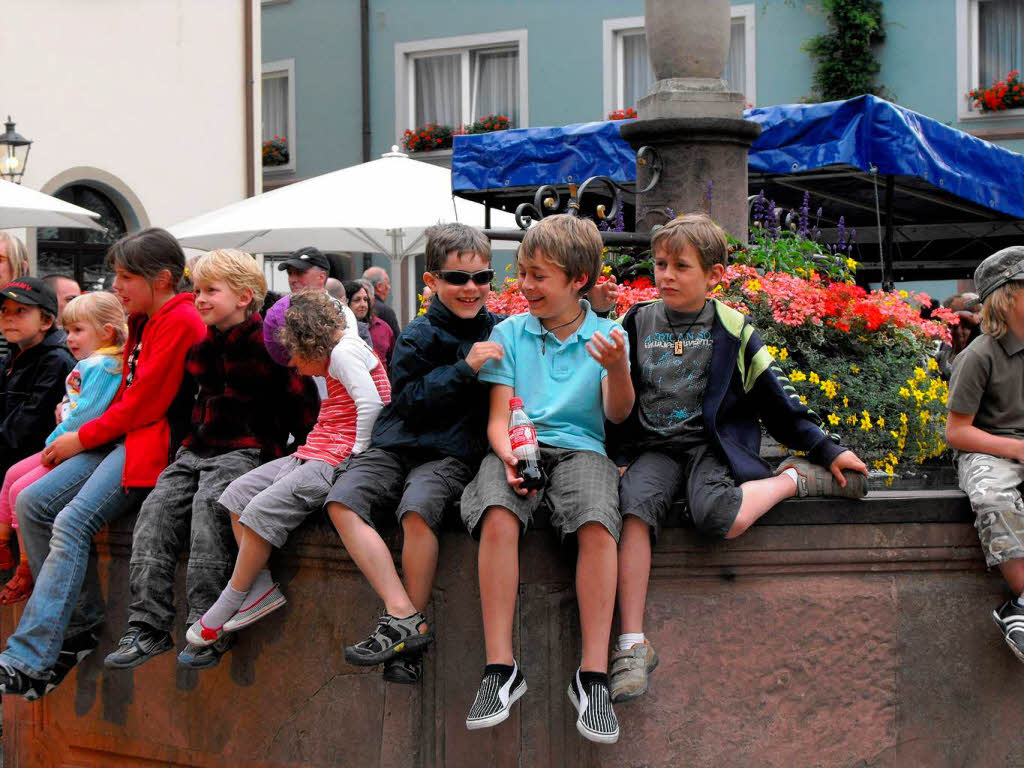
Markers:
point(803, 399)
point(851, 419)
point(904, 392)
point(888, 469)
point(903, 418)
point(606, 269)
point(846, 402)
point(895, 434)
point(880, 422)
point(851, 264)
point(783, 353)
point(813, 378)
point(920, 374)
point(833, 419)
point(932, 364)
point(855, 368)
point(753, 284)
point(773, 351)
point(903, 294)
point(798, 375)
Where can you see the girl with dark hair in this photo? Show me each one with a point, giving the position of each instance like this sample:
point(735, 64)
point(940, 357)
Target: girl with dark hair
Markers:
point(104, 469)
point(360, 301)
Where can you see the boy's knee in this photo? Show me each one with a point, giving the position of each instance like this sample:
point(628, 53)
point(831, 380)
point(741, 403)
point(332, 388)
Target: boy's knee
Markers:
point(594, 534)
point(500, 523)
point(341, 515)
point(413, 524)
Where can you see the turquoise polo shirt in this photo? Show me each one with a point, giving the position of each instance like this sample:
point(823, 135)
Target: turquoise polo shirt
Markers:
point(561, 388)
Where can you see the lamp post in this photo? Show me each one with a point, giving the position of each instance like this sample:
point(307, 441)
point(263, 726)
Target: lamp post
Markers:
point(14, 155)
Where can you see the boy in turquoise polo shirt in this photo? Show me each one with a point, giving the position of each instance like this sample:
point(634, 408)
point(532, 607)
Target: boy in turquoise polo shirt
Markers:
point(571, 370)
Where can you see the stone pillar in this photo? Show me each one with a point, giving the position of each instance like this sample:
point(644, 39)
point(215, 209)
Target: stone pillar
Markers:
point(692, 118)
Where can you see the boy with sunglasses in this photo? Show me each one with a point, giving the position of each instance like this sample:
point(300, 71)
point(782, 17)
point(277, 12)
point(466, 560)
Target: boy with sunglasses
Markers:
point(425, 446)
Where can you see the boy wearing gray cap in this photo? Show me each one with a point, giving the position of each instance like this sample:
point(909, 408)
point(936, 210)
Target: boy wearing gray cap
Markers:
point(986, 427)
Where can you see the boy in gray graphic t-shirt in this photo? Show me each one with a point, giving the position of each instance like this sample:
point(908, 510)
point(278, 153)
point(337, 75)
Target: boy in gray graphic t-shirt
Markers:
point(704, 382)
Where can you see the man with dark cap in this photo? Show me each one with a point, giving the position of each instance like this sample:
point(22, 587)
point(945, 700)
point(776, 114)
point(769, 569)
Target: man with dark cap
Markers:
point(985, 425)
point(307, 268)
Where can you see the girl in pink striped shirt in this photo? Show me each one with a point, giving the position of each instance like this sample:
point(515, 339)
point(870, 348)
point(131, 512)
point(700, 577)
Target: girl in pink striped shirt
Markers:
point(269, 502)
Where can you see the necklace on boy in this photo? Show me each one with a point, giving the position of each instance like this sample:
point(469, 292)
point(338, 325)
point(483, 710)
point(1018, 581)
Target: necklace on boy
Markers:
point(544, 336)
point(677, 348)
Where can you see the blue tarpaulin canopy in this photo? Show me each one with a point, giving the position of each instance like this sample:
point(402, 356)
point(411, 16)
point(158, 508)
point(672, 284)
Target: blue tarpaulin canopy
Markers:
point(864, 158)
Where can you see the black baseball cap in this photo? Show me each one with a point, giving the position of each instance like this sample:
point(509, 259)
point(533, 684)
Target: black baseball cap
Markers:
point(304, 258)
point(31, 291)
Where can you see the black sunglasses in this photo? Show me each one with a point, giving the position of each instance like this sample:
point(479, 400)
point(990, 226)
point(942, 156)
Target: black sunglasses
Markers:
point(458, 277)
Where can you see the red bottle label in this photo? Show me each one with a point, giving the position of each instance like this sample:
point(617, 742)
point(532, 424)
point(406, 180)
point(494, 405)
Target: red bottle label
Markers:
point(521, 436)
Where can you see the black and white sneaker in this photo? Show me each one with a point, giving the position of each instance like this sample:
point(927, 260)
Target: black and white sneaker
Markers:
point(501, 687)
point(138, 645)
point(1010, 618)
point(14, 682)
point(72, 652)
point(589, 693)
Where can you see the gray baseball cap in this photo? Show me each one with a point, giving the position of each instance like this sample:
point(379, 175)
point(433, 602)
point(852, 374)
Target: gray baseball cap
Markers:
point(998, 269)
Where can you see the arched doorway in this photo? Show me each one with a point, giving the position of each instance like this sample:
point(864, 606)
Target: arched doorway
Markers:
point(80, 253)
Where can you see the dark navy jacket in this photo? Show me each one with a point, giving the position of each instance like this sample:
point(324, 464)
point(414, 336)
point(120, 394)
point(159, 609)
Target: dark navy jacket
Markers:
point(745, 387)
point(31, 384)
point(438, 406)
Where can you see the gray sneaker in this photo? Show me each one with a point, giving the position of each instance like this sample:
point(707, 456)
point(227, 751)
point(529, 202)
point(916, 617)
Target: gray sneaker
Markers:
point(255, 607)
point(137, 646)
point(204, 656)
point(629, 670)
point(815, 480)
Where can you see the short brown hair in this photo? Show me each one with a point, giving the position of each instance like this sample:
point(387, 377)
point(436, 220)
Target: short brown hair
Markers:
point(461, 238)
point(237, 270)
point(997, 307)
point(572, 244)
point(700, 231)
point(313, 324)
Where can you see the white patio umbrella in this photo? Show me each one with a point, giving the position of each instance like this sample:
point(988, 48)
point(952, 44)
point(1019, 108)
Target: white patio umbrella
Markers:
point(383, 206)
point(24, 207)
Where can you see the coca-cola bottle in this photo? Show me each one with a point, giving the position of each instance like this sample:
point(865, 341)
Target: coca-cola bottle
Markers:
point(523, 437)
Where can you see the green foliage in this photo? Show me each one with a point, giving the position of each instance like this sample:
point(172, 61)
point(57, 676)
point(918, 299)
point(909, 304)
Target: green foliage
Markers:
point(846, 61)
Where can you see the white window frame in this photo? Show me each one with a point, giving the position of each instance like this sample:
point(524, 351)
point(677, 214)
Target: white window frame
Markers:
point(967, 65)
point(612, 34)
point(405, 75)
point(283, 68)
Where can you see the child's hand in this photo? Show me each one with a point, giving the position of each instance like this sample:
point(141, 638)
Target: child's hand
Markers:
point(57, 413)
point(608, 354)
point(483, 351)
point(514, 480)
point(847, 460)
point(64, 447)
point(603, 295)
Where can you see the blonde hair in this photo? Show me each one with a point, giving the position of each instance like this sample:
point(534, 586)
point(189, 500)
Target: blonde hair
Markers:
point(236, 269)
point(698, 230)
point(997, 308)
point(572, 244)
point(99, 309)
point(17, 254)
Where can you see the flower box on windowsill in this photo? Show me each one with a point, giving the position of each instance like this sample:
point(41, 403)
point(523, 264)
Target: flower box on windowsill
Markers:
point(1014, 114)
point(441, 157)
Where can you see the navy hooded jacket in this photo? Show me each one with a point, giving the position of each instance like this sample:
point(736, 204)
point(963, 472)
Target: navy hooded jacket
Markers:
point(438, 406)
point(745, 387)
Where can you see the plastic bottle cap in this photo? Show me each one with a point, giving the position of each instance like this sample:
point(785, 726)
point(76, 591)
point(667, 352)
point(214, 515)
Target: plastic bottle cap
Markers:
point(515, 402)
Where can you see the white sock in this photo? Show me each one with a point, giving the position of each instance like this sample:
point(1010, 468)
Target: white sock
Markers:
point(1020, 601)
point(793, 475)
point(628, 639)
point(230, 600)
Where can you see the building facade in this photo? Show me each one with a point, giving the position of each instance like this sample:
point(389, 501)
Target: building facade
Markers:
point(147, 113)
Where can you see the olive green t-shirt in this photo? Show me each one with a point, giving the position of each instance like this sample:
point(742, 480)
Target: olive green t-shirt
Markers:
point(988, 382)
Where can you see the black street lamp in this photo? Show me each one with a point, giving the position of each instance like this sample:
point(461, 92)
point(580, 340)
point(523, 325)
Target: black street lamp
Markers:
point(14, 155)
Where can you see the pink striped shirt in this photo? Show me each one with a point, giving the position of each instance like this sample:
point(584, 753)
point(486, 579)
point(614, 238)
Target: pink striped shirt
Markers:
point(357, 388)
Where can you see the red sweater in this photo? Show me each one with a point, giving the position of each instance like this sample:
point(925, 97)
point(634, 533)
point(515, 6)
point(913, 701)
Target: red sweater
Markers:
point(139, 412)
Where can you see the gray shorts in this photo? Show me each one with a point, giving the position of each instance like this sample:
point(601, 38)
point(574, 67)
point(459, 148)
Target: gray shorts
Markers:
point(993, 484)
point(582, 488)
point(654, 481)
point(377, 484)
point(276, 497)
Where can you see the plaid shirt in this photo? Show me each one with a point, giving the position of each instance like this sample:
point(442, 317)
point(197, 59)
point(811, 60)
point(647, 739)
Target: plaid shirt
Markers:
point(245, 399)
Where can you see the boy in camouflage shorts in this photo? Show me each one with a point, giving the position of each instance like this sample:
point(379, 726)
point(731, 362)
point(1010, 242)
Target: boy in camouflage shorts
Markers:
point(986, 427)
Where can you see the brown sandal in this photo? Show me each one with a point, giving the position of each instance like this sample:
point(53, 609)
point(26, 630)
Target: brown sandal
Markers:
point(19, 588)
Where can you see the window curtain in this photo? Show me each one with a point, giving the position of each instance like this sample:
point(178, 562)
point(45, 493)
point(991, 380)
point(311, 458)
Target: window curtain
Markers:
point(495, 85)
point(275, 107)
point(637, 75)
point(438, 90)
point(736, 66)
point(1000, 30)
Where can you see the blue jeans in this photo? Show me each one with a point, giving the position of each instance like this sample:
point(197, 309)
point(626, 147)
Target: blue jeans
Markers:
point(59, 515)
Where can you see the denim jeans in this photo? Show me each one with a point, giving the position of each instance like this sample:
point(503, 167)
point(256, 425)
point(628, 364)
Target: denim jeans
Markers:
point(182, 511)
point(59, 515)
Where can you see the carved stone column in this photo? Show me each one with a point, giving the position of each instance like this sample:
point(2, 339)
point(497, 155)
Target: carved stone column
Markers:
point(692, 118)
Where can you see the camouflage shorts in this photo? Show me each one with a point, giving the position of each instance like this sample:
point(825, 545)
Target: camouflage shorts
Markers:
point(993, 486)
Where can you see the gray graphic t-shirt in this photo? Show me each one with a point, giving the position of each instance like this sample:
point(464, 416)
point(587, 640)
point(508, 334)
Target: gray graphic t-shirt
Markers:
point(672, 385)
